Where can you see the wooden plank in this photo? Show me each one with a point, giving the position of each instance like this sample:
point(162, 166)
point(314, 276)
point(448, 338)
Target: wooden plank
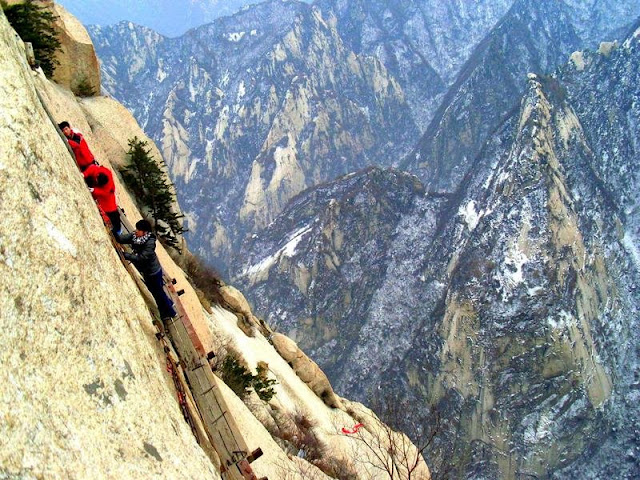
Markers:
point(224, 432)
point(191, 331)
point(202, 434)
point(203, 388)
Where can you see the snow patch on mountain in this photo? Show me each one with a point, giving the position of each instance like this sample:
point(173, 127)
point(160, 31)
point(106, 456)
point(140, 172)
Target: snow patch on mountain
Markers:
point(632, 248)
point(235, 36)
point(288, 250)
point(470, 215)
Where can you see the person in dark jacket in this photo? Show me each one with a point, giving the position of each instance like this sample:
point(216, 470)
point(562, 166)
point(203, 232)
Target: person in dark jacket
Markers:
point(84, 157)
point(99, 179)
point(143, 243)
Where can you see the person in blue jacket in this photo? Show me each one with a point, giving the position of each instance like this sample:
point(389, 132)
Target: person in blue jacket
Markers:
point(143, 243)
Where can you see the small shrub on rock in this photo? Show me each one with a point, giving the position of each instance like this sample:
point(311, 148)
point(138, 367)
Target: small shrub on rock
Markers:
point(35, 24)
point(241, 380)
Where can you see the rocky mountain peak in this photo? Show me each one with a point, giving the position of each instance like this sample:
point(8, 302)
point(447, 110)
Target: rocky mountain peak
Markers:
point(502, 302)
point(422, 43)
point(272, 109)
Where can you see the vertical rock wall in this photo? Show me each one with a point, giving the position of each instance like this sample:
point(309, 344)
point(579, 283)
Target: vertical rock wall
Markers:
point(85, 393)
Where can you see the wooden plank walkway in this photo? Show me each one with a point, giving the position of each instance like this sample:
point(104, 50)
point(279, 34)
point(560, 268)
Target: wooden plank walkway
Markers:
point(212, 413)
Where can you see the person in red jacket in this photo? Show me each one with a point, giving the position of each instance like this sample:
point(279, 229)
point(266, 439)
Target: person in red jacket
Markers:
point(99, 179)
point(84, 157)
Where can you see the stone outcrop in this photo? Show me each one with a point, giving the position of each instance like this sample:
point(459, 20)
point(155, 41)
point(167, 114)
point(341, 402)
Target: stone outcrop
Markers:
point(306, 369)
point(78, 68)
point(235, 301)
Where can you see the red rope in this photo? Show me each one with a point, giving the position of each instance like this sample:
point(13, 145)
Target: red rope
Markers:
point(353, 430)
point(182, 397)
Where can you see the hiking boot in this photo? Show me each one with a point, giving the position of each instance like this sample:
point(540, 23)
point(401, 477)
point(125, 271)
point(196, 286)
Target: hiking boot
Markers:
point(170, 319)
point(159, 324)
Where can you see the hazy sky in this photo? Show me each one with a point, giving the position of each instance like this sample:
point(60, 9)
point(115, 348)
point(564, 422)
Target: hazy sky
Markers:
point(168, 17)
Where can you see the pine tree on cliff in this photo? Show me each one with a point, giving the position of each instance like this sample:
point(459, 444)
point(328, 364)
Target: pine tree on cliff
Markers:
point(35, 24)
point(148, 183)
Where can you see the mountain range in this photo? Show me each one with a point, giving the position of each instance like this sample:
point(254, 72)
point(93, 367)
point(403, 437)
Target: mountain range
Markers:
point(511, 304)
point(438, 203)
point(294, 108)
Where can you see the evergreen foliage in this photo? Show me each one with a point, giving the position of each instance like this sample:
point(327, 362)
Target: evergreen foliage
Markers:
point(35, 24)
point(241, 381)
point(236, 376)
point(83, 88)
point(263, 385)
point(149, 184)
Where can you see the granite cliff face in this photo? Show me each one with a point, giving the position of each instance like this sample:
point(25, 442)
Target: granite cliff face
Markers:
point(86, 390)
point(82, 379)
point(511, 305)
